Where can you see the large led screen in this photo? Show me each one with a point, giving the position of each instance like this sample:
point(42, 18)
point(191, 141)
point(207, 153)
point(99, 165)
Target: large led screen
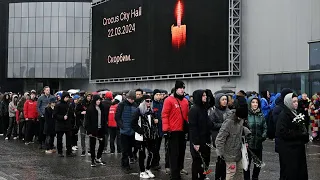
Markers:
point(133, 38)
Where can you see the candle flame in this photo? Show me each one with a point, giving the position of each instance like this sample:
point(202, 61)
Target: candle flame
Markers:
point(179, 12)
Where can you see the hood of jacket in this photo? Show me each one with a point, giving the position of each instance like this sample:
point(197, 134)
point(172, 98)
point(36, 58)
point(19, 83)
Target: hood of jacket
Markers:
point(95, 98)
point(143, 108)
point(217, 100)
point(251, 111)
point(14, 96)
point(197, 98)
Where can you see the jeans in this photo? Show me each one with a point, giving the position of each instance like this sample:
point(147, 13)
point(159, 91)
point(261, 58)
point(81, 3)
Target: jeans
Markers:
point(106, 136)
point(127, 144)
point(83, 138)
point(68, 141)
point(256, 170)
point(93, 142)
point(142, 146)
point(115, 135)
point(12, 127)
point(30, 130)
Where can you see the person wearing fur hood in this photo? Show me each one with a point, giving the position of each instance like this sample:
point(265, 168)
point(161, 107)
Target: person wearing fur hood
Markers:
point(146, 131)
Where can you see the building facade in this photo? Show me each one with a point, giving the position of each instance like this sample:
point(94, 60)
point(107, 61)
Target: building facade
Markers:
point(47, 44)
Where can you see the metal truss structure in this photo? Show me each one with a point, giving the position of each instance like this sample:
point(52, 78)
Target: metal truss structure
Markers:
point(234, 55)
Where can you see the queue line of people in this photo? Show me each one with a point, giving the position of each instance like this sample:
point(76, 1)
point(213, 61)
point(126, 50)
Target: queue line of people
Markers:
point(138, 122)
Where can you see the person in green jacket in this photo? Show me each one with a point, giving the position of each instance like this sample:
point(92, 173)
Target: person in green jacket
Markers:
point(258, 127)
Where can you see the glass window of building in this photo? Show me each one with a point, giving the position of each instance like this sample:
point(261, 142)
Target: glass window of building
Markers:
point(24, 55)
point(314, 55)
point(48, 39)
point(47, 9)
point(25, 9)
point(78, 9)
point(38, 68)
point(10, 70)
point(39, 9)
point(17, 9)
point(32, 9)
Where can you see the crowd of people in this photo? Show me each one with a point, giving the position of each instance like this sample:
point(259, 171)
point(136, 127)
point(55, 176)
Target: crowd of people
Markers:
point(136, 123)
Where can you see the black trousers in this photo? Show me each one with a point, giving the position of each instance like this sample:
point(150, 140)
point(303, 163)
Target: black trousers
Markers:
point(156, 160)
point(256, 170)
point(197, 162)
point(74, 137)
point(68, 141)
point(177, 146)
point(115, 135)
point(166, 153)
point(50, 141)
point(30, 130)
point(12, 129)
point(142, 146)
point(5, 124)
point(22, 127)
point(41, 135)
point(127, 143)
point(93, 142)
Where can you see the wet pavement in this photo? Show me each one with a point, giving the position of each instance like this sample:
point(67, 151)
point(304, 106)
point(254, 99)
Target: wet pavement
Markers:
point(18, 161)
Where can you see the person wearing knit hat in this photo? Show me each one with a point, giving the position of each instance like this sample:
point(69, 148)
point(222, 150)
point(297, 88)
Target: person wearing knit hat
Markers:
point(229, 147)
point(293, 136)
point(118, 97)
point(123, 118)
point(175, 125)
point(64, 114)
point(157, 105)
point(109, 95)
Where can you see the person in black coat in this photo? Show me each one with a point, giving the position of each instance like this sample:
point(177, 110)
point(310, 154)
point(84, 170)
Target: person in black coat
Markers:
point(96, 125)
point(49, 126)
point(199, 130)
point(64, 113)
point(303, 108)
point(293, 136)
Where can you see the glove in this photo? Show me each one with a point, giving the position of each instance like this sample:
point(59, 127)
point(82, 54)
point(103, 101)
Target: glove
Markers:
point(167, 134)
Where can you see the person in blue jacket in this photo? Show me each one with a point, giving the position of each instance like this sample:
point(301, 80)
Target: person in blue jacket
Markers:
point(124, 117)
point(265, 104)
point(157, 105)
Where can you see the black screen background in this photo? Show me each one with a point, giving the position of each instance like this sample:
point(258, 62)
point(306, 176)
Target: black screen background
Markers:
point(206, 49)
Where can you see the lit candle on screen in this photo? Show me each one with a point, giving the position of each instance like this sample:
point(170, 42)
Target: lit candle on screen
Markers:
point(179, 32)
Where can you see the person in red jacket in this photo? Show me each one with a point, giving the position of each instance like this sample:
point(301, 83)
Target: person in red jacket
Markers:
point(114, 130)
point(30, 114)
point(174, 124)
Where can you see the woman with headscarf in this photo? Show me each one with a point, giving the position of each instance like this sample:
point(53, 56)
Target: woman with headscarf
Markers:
point(293, 136)
point(217, 117)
